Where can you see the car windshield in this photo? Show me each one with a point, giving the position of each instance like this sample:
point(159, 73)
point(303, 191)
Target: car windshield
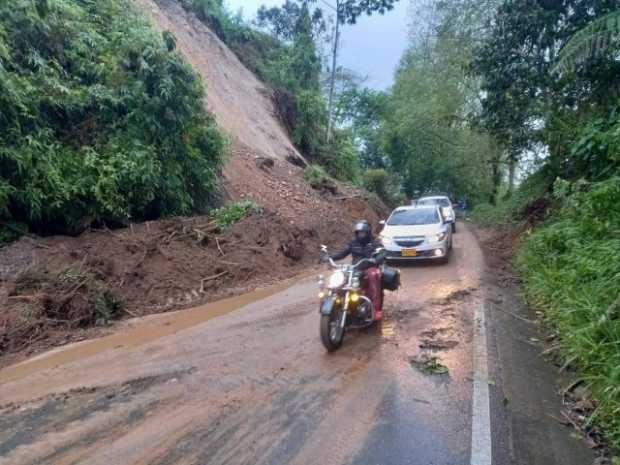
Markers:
point(441, 201)
point(414, 217)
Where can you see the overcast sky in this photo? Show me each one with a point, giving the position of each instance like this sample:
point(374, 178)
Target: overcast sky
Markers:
point(372, 47)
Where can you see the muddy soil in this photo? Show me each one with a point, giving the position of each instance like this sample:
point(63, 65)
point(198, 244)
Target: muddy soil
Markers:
point(55, 290)
point(255, 386)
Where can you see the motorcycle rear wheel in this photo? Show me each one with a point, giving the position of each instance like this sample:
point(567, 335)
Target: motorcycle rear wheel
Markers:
point(331, 334)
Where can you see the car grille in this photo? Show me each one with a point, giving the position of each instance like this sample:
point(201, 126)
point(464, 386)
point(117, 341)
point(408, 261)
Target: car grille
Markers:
point(408, 241)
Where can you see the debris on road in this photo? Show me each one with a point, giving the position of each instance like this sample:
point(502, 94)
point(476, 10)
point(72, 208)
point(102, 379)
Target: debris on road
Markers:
point(54, 289)
point(438, 344)
point(429, 365)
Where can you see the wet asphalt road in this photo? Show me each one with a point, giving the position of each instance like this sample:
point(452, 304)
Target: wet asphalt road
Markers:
point(255, 386)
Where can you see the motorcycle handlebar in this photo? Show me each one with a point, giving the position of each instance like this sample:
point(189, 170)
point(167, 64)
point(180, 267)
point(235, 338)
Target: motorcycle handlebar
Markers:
point(333, 264)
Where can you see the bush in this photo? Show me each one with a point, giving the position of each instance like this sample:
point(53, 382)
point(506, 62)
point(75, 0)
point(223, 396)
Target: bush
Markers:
point(382, 183)
point(233, 213)
point(572, 271)
point(512, 209)
point(316, 176)
point(101, 120)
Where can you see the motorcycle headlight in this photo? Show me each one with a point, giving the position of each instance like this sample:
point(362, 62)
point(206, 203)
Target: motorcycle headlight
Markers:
point(336, 280)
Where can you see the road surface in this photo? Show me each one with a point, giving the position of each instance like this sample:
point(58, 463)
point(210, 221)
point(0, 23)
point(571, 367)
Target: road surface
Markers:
point(247, 381)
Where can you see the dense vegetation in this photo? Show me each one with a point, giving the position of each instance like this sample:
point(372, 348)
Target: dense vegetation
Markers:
point(572, 271)
point(551, 79)
point(101, 120)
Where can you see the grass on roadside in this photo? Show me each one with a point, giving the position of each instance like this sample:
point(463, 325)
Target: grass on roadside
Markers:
point(571, 267)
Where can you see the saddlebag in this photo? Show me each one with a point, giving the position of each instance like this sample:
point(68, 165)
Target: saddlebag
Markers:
point(391, 278)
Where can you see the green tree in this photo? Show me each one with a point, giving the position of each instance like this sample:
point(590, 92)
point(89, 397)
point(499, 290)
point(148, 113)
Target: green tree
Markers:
point(282, 21)
point(426, 131)
point(525, 105)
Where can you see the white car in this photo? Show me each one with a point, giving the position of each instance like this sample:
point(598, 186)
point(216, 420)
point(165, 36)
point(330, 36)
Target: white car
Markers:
point(442, 202)
point(413, 233)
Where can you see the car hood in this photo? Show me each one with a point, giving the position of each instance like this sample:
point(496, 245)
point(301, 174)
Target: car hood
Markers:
point(405, 231)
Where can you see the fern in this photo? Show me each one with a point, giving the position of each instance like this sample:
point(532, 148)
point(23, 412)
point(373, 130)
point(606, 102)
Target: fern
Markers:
point(597, 39)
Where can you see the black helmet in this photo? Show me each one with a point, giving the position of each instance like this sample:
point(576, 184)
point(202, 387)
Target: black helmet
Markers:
point(362, 226)
point(362, 231)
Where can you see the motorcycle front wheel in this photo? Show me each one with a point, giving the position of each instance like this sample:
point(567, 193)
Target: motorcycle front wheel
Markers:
point(331, 332)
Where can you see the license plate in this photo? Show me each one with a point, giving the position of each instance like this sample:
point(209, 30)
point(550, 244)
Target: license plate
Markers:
point(409, 252)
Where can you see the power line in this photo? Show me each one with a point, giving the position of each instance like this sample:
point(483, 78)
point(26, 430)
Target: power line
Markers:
point(329, 5)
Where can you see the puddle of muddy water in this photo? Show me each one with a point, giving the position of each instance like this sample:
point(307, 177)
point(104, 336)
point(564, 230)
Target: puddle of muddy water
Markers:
point(145, 331)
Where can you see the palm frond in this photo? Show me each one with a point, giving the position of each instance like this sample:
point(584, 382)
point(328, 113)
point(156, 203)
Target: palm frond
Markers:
point(593, 41)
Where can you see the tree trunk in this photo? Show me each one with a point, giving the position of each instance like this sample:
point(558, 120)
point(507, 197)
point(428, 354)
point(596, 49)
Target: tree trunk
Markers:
point(512, 171)
point(496, 179)
point(332, 84)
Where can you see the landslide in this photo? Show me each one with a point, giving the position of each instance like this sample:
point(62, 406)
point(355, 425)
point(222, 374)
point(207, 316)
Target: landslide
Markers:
point(60, 289)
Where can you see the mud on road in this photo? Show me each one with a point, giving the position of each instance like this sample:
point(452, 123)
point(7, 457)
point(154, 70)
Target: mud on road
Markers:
point(248, 382)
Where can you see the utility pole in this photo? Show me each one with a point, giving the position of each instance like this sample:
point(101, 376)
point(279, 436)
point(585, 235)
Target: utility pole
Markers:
point(332, 84)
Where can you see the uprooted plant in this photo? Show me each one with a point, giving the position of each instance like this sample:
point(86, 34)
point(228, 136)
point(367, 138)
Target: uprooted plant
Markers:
point(73, 298)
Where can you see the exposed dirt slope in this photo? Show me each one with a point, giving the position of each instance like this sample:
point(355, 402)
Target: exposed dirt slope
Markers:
point(240, 102)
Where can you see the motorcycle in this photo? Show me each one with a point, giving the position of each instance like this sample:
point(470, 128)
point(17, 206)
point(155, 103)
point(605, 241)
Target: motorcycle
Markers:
point(343, 303)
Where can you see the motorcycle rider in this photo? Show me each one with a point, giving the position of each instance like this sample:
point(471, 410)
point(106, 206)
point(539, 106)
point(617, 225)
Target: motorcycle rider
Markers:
point(361, 247)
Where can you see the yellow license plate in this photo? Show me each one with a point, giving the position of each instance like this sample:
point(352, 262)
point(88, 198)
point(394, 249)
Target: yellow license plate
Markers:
point(409, 252)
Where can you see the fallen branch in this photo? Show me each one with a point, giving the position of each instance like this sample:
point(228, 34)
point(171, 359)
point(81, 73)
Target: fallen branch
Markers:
point(591, 442)
point(217, 242)
point(26, 298)
point(67, 297)
point(169, 238)
point(571, 387)
point(210, 278)
point(129, 312)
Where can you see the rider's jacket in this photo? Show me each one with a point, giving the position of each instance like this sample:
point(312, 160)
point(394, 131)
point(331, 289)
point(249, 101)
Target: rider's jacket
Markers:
point(358, 250)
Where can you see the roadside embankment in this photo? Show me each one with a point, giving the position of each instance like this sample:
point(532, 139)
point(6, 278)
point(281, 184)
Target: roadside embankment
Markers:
point(567, 261)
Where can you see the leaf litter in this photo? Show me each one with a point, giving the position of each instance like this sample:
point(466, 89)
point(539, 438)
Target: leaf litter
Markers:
point(429, 364)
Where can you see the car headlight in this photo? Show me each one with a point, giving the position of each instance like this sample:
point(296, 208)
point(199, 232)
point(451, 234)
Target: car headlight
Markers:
point(336, 280)
point(385, 240)
point(438, 237)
